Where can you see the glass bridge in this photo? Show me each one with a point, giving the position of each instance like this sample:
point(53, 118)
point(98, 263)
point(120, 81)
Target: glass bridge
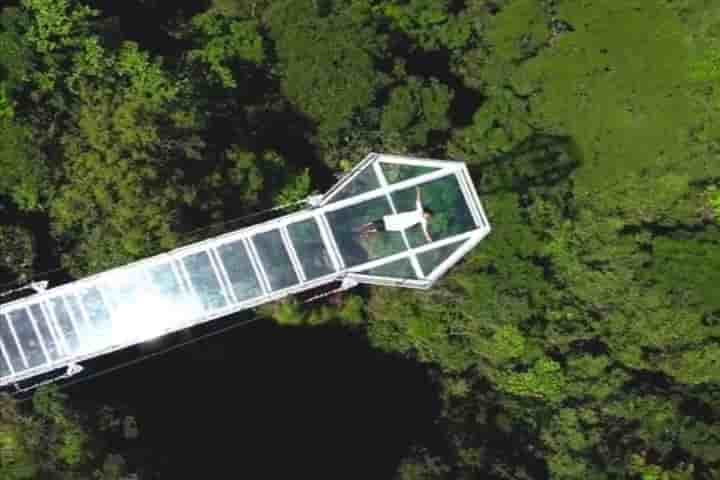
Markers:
point(239, 270)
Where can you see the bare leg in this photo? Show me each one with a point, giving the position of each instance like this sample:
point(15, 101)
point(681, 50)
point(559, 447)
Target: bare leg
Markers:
point(367, 227)
point(365, 230)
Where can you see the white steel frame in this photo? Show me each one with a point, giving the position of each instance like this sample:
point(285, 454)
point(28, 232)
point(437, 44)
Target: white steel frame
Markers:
point(210, 246)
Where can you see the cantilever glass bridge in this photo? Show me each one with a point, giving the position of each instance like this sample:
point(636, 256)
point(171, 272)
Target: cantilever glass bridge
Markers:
point(239, 270)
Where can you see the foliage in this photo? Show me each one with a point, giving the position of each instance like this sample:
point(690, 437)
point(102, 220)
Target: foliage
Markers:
point(56, 24)
point(7, 107)
point(713, 200)
point(416, 108)
point(544, 380)
point(422, 466)
point(26, 175)
point(596, 270)
point(297, 190)
point(579, 340)
point(51, 442)
point(144, 77)
point(18, 253)
point(497, 127)
point(16, 56)
point(428, 22)
point(327, 64)
point(224, 43)
point(56, 29)
point(113, 165)
point(346, 310)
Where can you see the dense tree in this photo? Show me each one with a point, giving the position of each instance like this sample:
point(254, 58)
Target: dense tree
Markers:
point(327, 53)
point(25, 176)
point(123, 128)
point(415, 108)
point(588, 286)
point(429, 23)
point(18, 253)
point(224, 42)
point(580, 340)
point(52, 442)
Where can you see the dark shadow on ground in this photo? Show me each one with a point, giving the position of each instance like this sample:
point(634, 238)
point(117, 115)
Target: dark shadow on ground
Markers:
point(436, 64)
point(270, 402)
point(541, 161)
point(149, 22)
point(45, 246)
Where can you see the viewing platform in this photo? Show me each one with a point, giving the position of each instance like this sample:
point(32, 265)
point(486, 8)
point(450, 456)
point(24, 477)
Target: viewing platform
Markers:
point(324, 243)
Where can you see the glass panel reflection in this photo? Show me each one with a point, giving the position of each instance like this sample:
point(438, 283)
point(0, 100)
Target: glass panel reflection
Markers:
point(363, 182)
point(124, 291)
point(204, 280)
point(310, 249)
point(97, 313)
point(27, 337)
point(432, 259)
point(4, 368)
point(396, 172)
point(275, 260)
point(398, 269)
point(11, 347)
point(52, 348)
point(85, 334)
point(170, 299)
point(166, 282)
point(62, 317)
point(145, 304)
point(240, 271)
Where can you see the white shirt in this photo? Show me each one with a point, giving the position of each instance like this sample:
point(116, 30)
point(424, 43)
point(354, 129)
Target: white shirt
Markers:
point(402, 221)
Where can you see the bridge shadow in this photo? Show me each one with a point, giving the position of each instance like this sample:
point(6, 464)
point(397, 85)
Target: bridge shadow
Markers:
point(541, 161)
point(272, 402)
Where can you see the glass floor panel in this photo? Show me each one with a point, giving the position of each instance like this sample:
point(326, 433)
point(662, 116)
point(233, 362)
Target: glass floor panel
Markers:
point(98, 315)
point(62, 317)
point(168, 301)
point(11, 347)
point(396, 172)
point(444, 198)
point(275, 260)
point(310, 248)
point(123, 292)
point(398, 269)
point(364, 181)
point(238, 266)
point(29, 341)
point(204, 280)
point(4, 368)
point(141, 309)
point(85, 333)
point(432, 259)
point(53, 349)
point(355, 246)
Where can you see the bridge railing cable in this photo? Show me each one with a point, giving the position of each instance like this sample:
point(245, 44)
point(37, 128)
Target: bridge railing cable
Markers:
point(21, 394)
point(188, 237)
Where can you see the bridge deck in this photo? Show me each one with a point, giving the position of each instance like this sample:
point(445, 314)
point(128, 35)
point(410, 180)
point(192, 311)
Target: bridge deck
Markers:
point(255, 265)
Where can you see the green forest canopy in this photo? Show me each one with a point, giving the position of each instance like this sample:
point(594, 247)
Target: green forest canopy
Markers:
point(580, 340)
